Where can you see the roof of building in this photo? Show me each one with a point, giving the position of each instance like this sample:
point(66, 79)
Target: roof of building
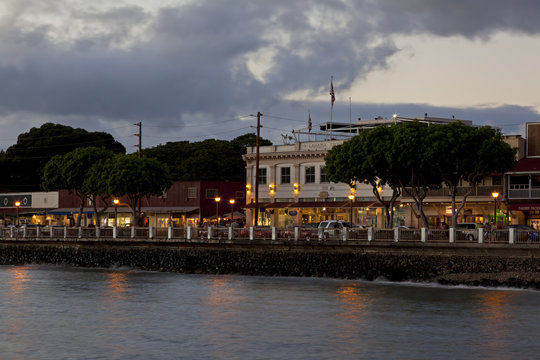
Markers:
point(527, 165)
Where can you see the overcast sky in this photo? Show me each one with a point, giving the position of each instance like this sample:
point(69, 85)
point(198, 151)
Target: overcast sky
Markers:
point(196, 69)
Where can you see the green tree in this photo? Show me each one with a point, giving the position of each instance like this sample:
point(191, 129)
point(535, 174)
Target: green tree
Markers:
point(412, 161)
point(71, 172)
point(205, 160)
point(133, 178)
point(465, 155)
point(23, 162)
point(363, 158)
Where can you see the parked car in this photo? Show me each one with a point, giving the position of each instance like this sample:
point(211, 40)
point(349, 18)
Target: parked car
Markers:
point(470, 230)
point(524, 233)
point(333, 227)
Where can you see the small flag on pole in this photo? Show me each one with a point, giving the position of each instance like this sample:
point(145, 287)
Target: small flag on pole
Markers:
point(309, 122)
point(332, 95)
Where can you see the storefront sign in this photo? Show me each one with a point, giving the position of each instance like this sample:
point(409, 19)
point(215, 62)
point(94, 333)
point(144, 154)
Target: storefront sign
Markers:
point(293, 212)
point(8, 201)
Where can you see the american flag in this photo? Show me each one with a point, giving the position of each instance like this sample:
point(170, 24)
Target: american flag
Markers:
point(332, 95)
point(309, 122)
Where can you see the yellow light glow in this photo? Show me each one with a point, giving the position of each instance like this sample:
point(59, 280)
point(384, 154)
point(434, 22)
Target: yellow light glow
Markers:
point(217, 199)
point(495, 194)
point(232, 201)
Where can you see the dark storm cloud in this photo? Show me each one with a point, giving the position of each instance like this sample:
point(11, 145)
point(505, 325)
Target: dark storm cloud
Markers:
point(468, 18)
point(190, 60)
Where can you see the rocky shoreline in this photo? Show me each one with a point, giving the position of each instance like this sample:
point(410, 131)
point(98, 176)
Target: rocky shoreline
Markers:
point(451, 268)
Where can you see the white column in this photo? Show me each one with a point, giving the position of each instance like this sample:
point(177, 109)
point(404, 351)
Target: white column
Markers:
point(274, 233)
point(396, 234)
point(115, 231)
point(511, 235)
point(423, 235)
point(345, 234)
point(189, 233)
point(480, 235)
point(370, 234)
point(169, 232)
point(452, 234)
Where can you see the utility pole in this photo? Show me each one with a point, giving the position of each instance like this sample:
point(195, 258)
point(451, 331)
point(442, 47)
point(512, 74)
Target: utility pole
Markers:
point(256, 216)
point(139, 124)
point(139, 155)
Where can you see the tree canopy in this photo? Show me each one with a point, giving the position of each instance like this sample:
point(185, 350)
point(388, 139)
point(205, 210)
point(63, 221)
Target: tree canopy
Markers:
point(417, 158)
point(133, 178)
point(73, 171)
point(23, 162)
point(205, 160)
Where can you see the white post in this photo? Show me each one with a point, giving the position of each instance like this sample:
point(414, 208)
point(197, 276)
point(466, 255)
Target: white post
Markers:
point(452, 234)
point(51, 229)
point(65, 232)
point(480, 235)
point(169, 232)
point(511, 236)
point(189, 233)
point(150, 232)
point(210, 232)
point(115, 231)
point(11, 232)
point(296, 233)
point(274, 233)
point(423, 236)
point(321, 233)
point(396, 234)
point(38, 232)
point(24, 231)
point(370, 232)
point(251, 233)
point(80, 232)
point(345, 234)
point(133, 232)
point(231, 232)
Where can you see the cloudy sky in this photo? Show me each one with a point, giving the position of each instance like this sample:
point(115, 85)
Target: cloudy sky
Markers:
point(197, 69)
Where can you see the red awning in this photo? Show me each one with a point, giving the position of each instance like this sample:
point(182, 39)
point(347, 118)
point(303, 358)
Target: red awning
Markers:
point(524, 207)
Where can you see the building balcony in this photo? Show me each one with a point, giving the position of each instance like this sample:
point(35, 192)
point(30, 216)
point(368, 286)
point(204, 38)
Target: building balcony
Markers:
point(524, 192)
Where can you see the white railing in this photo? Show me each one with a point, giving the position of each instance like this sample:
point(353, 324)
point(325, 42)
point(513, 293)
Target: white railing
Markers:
point(296, 234)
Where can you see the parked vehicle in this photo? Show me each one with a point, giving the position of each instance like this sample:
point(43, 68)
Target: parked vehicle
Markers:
point(469, 230)
point(333, 227)
point(524, 233)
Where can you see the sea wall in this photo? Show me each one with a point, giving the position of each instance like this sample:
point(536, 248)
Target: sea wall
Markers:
point(447, 266)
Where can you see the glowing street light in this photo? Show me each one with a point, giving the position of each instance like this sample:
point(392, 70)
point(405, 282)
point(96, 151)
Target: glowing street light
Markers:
point(17, 204)
point(116, 201)
point(232, 201)
point(217, 199)
point(351, 197)
point(495, 195)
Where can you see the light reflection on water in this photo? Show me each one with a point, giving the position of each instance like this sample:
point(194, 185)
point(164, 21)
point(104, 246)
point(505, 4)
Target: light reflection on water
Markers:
point(51, 312)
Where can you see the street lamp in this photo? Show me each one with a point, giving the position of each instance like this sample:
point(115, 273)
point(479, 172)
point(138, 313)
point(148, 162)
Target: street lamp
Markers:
point(495, 195)
point(351, 197)
point(116, 201)
point(217, 199)
point(232, 201)
point(17, 204)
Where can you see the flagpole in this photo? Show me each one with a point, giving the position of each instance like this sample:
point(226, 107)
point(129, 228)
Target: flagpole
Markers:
point(332, 99)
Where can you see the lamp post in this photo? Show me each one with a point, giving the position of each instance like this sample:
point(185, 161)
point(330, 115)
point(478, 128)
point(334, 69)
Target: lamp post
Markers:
point(217, 199)
point(351, 197)
point(232, 201)
point(17, 204)
point(116, 201)
point(495, 195)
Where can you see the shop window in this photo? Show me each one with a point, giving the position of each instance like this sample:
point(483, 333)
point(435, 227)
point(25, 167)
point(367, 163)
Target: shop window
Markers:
point(310, 175)
point(211, 193)
point(285, 175)
point(192, 192)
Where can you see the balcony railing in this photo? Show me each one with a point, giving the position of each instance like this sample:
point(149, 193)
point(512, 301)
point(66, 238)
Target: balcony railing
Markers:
point(484, 191)
point(523, 192)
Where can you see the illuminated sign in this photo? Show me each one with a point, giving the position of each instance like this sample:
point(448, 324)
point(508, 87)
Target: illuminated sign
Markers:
point(8, 201)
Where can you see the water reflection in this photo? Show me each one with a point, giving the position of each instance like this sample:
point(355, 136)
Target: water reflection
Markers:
point(117, 285)
point(498, 320)
point(353, 300)
point(18, 279)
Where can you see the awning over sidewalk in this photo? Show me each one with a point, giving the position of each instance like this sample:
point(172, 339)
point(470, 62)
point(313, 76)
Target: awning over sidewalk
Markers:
point(314, 204)
point(524, 207)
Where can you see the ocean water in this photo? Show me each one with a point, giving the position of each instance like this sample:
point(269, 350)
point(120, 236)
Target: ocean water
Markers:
point(62, 312)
